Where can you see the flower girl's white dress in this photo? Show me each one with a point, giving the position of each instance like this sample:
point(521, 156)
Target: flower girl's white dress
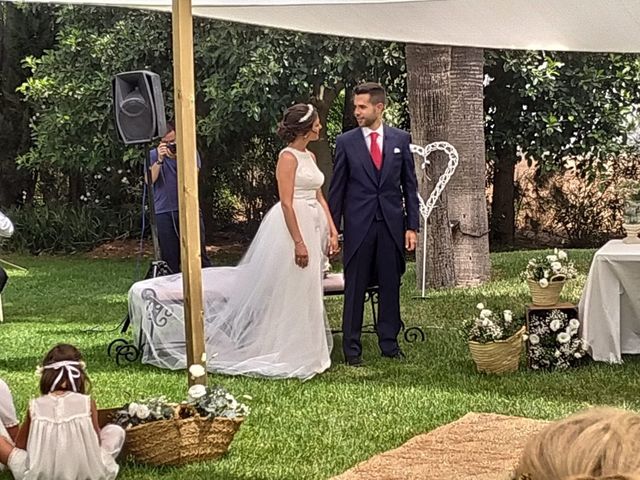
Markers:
point(63, 444)
point(264, 317)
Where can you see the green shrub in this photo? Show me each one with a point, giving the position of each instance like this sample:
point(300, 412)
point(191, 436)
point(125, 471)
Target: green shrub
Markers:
point(68, 229)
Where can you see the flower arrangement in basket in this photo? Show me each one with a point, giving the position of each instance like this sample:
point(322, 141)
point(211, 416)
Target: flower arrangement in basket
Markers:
point(495, 340)
point(200, 428)
point(546, 275)
point(630, 192)
point(553, 342)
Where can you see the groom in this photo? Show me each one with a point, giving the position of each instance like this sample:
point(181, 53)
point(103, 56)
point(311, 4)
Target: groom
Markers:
point(374, 191)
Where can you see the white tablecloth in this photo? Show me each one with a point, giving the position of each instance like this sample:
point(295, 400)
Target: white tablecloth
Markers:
point(610, 303)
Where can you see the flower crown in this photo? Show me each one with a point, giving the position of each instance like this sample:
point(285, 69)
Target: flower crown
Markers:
point(307, 115)
point(72, 368)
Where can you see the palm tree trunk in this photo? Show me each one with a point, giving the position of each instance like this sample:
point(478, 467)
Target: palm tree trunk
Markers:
point(467, 202)
point(429, 92)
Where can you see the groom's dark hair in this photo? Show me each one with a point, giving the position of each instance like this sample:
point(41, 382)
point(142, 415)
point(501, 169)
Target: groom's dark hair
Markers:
point(378, 95)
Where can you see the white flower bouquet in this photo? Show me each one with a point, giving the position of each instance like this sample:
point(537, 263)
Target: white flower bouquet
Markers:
point(553, 341)
point(143, 411)
point(547, 269)
point(211, 402)
point(489, 326)
point(630, 192)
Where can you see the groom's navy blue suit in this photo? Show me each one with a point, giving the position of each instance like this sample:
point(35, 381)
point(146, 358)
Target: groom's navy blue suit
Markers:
point(375, 208)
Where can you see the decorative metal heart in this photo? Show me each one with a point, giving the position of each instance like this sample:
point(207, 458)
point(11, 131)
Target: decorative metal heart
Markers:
point(427, 207)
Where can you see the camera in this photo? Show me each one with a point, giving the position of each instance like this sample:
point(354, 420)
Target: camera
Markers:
point(172, 147)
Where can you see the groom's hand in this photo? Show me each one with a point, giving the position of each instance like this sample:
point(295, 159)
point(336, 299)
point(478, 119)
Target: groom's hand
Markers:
point(410, 240)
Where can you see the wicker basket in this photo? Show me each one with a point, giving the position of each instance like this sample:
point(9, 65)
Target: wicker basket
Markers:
point(545, 297)
point(502, 356)
point(180, 440)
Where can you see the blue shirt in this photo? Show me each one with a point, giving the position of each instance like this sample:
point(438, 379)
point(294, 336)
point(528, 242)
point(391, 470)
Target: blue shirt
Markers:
point(165, 189)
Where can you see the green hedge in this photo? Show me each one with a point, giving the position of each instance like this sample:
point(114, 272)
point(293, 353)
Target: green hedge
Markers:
point(66, 229)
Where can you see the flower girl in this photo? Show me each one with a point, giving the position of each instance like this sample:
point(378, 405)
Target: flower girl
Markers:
point(60, 437)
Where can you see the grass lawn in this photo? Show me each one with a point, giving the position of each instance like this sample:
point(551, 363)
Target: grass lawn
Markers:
point(319, 428)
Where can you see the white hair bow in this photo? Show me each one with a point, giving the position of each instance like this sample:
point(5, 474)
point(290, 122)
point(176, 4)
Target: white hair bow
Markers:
point(72, 368)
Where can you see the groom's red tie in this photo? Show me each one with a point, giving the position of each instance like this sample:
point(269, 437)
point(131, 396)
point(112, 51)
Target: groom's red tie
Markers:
point(376, 154)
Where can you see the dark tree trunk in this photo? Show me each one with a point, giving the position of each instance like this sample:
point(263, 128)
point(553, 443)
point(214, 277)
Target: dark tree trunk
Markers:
point(323, 99)
point(349, 121)
point(503, 200)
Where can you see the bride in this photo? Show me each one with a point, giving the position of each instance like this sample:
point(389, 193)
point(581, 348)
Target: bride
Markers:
point(266, 316)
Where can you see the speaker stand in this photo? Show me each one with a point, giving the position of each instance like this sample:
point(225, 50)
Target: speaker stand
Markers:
point(121, 348)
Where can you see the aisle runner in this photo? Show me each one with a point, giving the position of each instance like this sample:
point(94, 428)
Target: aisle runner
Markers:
point(478, 446)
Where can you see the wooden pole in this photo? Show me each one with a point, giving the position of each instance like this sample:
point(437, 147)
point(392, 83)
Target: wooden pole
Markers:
point(183, 74)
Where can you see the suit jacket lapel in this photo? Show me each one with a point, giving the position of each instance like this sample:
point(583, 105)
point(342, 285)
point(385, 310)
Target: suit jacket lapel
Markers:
point(387, 153)
point(365, 155)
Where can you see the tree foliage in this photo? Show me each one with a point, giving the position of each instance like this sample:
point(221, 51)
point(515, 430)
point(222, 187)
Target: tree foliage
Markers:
point(557, 104)
point(246, 77)
point(552, 107)
point(24, 30)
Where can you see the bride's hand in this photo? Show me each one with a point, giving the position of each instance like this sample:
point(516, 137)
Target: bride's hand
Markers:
point(302, 255)
point(334, 245)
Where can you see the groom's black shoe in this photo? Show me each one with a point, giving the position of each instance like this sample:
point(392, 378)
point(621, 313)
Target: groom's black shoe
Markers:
point(354, 361)
point(399, 355)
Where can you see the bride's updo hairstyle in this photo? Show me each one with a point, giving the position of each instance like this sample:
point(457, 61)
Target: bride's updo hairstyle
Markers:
point(297, 120)
point(595, 444)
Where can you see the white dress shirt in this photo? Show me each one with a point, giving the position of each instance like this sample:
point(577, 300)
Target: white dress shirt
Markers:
point(366, 131)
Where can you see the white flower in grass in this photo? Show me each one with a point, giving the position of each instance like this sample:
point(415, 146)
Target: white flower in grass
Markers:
point(485, 313)
point(197, 371)
point(577, 355)
point(574, 323)
point(555, 325)
point(142, 412)
point(543, 282)
point(562, 255)
point(557, 354)
point(485, 322)
point(197, 391)
point(534, 339)
point(480, 306)
point(556, 266)
point(563, 337)
point(508, 316)
point(552, 258)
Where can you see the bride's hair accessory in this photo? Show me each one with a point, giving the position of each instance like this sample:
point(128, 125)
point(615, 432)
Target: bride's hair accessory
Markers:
point(307, 115)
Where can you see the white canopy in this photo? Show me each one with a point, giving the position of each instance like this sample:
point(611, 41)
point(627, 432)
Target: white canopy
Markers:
point(580, 25)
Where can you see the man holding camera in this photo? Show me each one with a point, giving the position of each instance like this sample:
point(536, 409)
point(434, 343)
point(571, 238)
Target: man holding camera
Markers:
point(164, 176)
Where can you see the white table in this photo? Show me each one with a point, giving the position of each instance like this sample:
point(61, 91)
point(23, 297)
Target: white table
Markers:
point(610, 303)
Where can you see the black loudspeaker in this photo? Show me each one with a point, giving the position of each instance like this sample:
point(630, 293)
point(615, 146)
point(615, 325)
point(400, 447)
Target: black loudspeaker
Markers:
point(138, 107)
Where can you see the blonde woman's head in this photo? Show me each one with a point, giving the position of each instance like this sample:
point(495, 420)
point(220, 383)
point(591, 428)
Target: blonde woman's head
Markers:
point(595, 444)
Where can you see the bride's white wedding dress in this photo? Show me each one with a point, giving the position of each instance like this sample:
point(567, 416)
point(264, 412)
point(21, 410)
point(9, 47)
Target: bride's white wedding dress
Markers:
point(264, 317)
